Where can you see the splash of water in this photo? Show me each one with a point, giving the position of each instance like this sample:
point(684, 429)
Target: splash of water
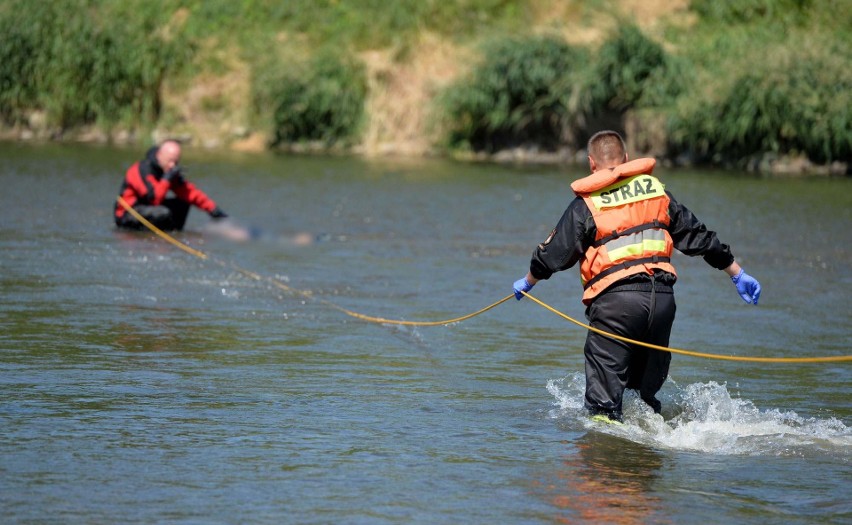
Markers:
point(705, 417)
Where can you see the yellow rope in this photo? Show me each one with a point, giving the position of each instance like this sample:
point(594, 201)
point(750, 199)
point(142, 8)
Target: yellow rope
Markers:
point(158, 231)
point(382, 320)
point(690, 352)
point(419, 323)
point(286, 288)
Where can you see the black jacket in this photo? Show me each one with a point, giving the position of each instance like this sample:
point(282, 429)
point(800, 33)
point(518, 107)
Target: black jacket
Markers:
point(576, 231)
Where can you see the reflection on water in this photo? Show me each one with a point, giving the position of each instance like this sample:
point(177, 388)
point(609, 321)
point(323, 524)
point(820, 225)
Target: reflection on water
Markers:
point(607, 480)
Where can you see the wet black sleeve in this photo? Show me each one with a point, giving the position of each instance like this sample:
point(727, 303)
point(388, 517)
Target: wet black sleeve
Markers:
point(692, 237)
point(566, 244)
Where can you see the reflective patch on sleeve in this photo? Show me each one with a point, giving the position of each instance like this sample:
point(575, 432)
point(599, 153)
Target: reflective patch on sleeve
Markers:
point(547, 241)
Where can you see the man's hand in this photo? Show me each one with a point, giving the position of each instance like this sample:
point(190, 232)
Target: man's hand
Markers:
point(217, 213)
point(747, 286)
point(521, 286)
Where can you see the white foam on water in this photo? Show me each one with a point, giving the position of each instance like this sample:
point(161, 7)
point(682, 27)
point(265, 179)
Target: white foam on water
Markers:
point(704, 417)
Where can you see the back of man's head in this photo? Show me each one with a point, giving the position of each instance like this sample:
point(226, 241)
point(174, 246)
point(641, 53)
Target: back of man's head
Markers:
point(606, 150)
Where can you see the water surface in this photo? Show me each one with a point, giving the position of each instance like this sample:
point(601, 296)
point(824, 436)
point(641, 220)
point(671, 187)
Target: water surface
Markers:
point(141, 384)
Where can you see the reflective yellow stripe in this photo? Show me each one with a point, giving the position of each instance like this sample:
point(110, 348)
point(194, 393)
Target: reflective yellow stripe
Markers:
point(633, 189)
point(646, 246)
point(655, 234)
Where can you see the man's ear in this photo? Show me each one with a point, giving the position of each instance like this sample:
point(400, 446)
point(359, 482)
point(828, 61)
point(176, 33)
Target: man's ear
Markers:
point(592, 165)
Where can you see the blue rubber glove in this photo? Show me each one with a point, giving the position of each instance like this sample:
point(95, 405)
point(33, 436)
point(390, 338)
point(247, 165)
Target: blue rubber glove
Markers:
point(522, 285)
point(747, 286)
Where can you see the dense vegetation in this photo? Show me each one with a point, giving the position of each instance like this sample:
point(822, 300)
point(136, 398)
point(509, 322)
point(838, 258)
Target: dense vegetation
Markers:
point(320, 99)
point(541, 91)
point(776, 80)
point(744, 79)
point(524, 93)
point(81, 69)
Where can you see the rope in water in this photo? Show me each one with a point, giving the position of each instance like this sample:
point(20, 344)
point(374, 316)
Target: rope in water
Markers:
point(369, 318)
point(693, 353)
point(382, 320)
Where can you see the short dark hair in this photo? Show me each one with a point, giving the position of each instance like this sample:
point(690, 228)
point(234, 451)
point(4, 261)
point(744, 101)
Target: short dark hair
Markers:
point(606, 147)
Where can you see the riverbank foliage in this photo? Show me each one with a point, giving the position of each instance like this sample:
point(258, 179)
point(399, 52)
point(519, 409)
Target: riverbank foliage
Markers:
point(317, 100)
point(524, 93)
point(55, 57)
point(730, 82)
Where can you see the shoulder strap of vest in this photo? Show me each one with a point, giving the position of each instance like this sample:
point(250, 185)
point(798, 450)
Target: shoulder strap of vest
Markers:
point(605, 177)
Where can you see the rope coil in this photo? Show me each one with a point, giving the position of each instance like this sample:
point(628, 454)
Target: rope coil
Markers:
point(382, 320)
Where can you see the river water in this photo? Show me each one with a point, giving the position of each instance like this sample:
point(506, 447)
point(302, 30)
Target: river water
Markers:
point(142, 384)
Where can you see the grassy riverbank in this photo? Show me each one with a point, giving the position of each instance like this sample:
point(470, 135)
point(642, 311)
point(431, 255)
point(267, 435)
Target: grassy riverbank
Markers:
point(725, 82)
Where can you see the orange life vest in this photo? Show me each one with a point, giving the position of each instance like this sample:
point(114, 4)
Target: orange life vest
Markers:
point(630, 210)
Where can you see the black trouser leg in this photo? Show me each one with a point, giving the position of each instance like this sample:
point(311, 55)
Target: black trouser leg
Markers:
point(612, 365)
point(179, 212)
point(159, 216)
point(171, 215)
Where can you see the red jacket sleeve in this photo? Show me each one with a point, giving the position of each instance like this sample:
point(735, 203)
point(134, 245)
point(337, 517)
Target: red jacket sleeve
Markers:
point(193, 195)
point(133, 184)
point(133, 188)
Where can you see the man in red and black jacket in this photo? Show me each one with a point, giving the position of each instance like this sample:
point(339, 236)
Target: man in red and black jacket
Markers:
point(146, 185)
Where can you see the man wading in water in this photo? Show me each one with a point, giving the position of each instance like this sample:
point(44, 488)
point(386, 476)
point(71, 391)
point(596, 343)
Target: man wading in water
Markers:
point(146, 184)
point(622, 228)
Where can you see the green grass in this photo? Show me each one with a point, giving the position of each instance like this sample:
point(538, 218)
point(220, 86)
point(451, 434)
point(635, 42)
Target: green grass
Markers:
point(749, 77)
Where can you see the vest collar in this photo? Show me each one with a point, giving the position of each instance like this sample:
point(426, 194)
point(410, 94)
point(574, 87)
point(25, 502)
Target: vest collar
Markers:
point(603, 178)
